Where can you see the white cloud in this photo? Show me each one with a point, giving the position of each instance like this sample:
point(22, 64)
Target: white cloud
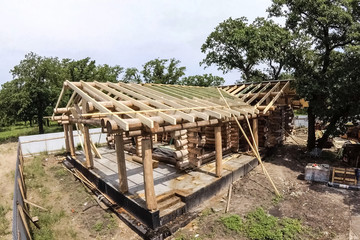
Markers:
point(127, 33)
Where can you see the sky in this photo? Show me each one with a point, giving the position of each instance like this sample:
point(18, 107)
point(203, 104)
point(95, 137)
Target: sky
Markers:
point(124, 32)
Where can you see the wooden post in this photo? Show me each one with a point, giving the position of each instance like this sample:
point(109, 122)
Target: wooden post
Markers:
point(255, 127)
point(218, 149)
point(71, 140)
point(87, 148)
point(150, 197)
point(120, 155)
point(66, 133)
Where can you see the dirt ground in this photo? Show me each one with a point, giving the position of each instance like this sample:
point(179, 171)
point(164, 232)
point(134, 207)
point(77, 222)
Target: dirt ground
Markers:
point(7, 170)
point(324, 211)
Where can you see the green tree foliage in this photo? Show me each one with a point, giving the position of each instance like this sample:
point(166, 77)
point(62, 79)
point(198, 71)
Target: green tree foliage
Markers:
point(205, 80)
point(325, 70)
point(237, 45)
point(164, 71)
point(36, 84)
point(131, 75)
point(38, 81)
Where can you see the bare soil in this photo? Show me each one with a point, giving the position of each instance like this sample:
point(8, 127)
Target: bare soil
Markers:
point(7, 170)
point(324, 211)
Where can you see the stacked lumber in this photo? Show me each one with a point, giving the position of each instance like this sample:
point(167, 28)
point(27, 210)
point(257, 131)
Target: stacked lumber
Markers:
point(209, 137)
point(181, 148)
point(138, 146)
point(110, 138)
point(226, 135)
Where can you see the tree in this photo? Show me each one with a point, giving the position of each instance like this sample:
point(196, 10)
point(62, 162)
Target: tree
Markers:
point(131, 75)
point(38, 82)
point(237, 45)
point(330, 27)
point(156, 71)
point(205, 80)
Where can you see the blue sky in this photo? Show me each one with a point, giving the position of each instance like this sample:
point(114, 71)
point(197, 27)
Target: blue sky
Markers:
point(124, 32)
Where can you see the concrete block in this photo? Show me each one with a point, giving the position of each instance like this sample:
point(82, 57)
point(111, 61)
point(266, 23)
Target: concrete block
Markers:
point(317, 172)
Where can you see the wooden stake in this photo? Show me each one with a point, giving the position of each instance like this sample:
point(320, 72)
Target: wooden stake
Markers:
point(120, 155)
point(218, 149)
point(229, 198)
point(66, 134)
point(150, 197)
point(71, 140)
point(252, 148)
point(87, 148)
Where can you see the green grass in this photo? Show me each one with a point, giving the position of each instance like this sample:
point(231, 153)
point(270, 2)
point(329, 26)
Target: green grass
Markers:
point(11, 133)
point(261, 226)
point(47, 221)
point(4, 223)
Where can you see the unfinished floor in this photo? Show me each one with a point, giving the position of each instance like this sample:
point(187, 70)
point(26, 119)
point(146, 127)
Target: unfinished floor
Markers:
point(177, 191)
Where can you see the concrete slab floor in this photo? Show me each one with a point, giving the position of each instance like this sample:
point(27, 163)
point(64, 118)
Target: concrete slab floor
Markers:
point(166, 177)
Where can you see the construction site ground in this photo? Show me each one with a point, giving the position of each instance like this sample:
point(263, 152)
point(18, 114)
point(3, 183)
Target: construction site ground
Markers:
point(325, 212)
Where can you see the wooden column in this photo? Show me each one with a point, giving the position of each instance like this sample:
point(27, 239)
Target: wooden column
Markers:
point(66, 133)
point(71, 140)
point(218, 149)
point(255, 129)
point(150, 197)
point(87, 148)
point(120, 155)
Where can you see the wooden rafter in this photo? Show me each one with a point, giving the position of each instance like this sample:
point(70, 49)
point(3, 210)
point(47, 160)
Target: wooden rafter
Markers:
point(268, 94)
point(258, 93)
point(276, 98)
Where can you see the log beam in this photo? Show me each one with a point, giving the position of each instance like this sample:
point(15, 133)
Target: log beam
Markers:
point(71, 140)
point(87, 148)
point(150, 197)
point(120, 156)
point(218, 149)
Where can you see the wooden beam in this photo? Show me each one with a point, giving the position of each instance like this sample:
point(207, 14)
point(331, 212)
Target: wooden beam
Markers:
point(87, 148)
point(150, 196)
point(124, 125)
point(71, 140)
point(139, 104)
point(276, 98)
point(151, 101)
point(119, 106)
point(255, 127)
point(238, 89)
point(166, 99)
point(66, 134)
point(267, 94)
point(218, 149)
point(258, 93)
point(245, 90)
point(121, 162)
point(250, 92)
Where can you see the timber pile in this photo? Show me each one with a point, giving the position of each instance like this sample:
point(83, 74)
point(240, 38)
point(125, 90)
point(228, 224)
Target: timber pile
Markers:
point(209, 137)
point(278, 124)
point(138, 146)
point(195, 149)
point(181, 145)
point(226, 135)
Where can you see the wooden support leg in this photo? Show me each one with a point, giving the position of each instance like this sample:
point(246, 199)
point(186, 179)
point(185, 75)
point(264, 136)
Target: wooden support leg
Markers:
point(71, 140)
point(218, 149)
point(66, 133)
point(87, 148)
point(120, 155)
point(150, 197)
point(255, 128)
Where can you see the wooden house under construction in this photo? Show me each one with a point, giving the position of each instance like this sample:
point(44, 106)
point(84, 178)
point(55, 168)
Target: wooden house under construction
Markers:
point(171, 147)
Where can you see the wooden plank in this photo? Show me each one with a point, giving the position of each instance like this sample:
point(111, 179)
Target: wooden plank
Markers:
point(23, 219)
point(238, 89)
point(120, 106)
point(141, 105)
point(267, 94)
point(166, 99)
point(245, 90)
point(251, 91)
point(218, 149)
point(276, 98)
point(258, 93)
point(155, 103)
point(124, 125)
point(150, 196)
point(121, 163)
point(232, 89)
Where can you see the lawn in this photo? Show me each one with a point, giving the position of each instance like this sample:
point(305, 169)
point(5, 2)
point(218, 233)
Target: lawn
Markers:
point(11, 133)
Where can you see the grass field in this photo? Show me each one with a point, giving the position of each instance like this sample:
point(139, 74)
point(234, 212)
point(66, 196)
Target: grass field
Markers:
point(11, 133)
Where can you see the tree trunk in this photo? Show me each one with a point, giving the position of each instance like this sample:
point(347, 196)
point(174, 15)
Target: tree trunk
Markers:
point(40, 122)
point(311, 128)
point(329, 130)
